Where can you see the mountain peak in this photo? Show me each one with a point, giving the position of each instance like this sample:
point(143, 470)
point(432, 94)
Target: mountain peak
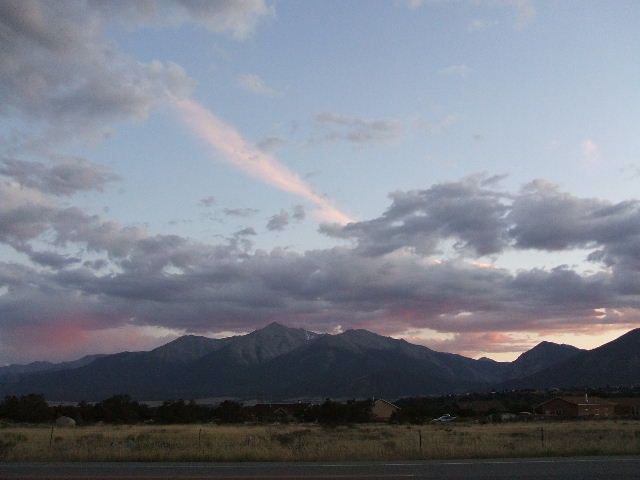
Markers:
point(274, 327)
point(545, 349)
point(540, 357)
point(268, 342)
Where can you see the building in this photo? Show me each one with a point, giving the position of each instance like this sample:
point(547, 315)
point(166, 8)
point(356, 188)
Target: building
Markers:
point(627, 407)
point(381, 410)
point(578, 407)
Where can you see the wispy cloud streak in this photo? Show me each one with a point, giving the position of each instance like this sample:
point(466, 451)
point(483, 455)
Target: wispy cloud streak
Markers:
point(237, 151)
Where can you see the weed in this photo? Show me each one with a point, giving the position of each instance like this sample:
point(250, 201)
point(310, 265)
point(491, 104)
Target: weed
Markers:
point(5, 448)
point(314, 442)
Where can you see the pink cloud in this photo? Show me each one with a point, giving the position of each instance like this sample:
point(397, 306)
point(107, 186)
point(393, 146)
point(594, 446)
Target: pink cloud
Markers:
point(240, 153)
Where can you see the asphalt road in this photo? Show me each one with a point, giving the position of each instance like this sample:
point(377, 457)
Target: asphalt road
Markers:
point(619, 468)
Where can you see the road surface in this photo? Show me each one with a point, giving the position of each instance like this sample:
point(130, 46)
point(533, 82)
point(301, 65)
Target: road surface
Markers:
point(595, 468)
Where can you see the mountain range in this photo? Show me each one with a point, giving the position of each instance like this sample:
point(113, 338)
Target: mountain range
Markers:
point(278, 363)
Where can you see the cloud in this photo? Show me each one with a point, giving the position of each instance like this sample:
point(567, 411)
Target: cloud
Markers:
point(395, 277)
point(357, 130)
point(65, 176)
point(236, 18)
point(74, 280)
point(456, 70)
point(412, 4)
point(60, 76)
point(479, 24)
point(240, 18)
point(442, 124)
point(240, 212)
point(299, 213)
point(545, 218)
point(472, 344)
point(271, 144)
point(209, 201)
point(246, 231)
point(468, 213)
point(524, 9)
point(589, 151)
point(279, 221)
point(29, 216)
point(237, 151)
point(255, 84)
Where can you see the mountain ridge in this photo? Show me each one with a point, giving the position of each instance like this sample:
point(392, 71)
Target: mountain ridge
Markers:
point(279, 362)
point(615, 363)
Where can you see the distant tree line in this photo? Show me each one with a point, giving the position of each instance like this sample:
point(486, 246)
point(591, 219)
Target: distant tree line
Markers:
point(33, 408)
point(122, 409)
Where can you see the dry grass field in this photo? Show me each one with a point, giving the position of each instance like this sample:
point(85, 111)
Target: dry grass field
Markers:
point(315, 443)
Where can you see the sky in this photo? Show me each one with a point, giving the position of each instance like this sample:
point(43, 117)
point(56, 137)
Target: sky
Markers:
point(463, 174)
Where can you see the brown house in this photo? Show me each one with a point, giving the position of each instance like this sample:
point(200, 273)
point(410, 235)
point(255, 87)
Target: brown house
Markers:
point(578, 407)
point(381, 410)
point(627, 407)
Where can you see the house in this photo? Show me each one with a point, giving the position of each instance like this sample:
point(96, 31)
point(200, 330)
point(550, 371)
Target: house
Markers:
point(381, 410)
point(627, 407)
point(578, 407)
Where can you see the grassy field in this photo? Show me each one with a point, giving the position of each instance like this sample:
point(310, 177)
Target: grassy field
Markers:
point(316, 443)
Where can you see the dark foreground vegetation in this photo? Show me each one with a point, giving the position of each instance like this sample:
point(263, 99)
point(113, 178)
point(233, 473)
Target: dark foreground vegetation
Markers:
point(122, 409)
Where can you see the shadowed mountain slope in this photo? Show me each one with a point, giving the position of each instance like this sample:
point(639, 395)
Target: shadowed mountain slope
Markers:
point(616, 363)
point(278, 362)
point(540, 357)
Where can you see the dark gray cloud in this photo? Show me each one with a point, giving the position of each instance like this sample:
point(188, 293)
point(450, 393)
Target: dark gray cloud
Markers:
point(246, 231)
point(53, 259)
point(279, 221)
point(240, 212)
point(467, 212)
point(393, 278)
point(60, 75)
point(298, 213)
point(65, 176)
point(29, 216)
point(378, 283)
point(208, 201)
point(271, 144)
point(477, 219)
point(547, 219)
